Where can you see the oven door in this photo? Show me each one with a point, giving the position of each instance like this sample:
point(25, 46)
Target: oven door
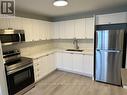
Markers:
point(20, 79)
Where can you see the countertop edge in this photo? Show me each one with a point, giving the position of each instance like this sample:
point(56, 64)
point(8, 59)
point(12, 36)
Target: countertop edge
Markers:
point(38, 55)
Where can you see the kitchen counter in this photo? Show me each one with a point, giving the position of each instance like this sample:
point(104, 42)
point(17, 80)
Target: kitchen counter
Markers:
point(47, 52)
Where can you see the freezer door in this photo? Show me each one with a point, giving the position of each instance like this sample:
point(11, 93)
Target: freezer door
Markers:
point(108, 65)
point(109, 39)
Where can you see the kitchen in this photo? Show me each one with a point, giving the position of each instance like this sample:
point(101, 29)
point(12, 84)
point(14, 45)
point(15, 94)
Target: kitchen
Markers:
point(57, 55)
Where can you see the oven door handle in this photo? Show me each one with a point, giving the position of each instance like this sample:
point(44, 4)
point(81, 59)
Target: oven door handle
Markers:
point(18, 69)
point(19, 37)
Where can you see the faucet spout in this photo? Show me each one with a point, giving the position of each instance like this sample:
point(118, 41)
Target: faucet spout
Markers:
point(75, 43)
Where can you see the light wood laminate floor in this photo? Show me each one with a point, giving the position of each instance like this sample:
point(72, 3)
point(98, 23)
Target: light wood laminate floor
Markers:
point(64, 83)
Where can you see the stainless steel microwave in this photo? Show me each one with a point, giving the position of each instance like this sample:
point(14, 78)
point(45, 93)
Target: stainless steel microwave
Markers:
point(10, 36)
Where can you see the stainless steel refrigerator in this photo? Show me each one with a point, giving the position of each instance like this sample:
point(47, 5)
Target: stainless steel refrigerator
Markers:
point(109, 55)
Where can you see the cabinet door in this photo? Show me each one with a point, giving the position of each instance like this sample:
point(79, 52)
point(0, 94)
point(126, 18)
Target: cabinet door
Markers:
point(90, 28)
point(58, 60)
point(68, 61)
point(35, 28)
point(49, 30)
point(4, 23)
point(46, 29)
point(16, 23)
point(69, 29)
point(62, 30)
point(111, 18)
point(51, 63)
point(36, 66)
point(56, 30)
point(80, 28)
point(88, 65)
point(43, 66)
point(78, 63)
point(27, 26)
point(42, 30)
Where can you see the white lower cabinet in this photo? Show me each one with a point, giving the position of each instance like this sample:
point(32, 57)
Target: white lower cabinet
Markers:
point(72, 62)
point(51, 62)
point(68, 61)
point(78, 63)
point(43, 66)
point(88, 65)
point(58, 60)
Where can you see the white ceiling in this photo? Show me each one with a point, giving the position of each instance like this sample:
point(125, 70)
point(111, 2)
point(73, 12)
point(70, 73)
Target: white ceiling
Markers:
point(45, 7)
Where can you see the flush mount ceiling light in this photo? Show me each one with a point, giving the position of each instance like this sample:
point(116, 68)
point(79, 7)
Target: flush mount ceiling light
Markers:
point(60, 3)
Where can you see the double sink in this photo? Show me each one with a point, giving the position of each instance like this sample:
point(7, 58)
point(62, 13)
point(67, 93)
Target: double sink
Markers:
point(77, 50)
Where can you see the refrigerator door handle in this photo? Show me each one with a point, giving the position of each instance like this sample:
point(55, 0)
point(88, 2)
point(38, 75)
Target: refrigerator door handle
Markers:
point(115, 51)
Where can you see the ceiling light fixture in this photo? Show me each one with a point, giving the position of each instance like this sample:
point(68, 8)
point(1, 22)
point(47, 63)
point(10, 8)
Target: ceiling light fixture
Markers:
point(60, 3)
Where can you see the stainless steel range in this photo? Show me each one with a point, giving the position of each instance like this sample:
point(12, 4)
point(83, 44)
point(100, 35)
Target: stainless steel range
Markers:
point(19, 72)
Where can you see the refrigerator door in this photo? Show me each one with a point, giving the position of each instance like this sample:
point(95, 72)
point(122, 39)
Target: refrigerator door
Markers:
point(108, 65)
point(109, 39)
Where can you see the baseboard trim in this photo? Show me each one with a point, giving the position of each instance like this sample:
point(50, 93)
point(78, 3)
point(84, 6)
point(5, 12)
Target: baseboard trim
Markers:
point(84, 74)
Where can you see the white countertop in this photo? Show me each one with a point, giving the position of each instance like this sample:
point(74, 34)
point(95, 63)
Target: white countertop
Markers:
point(40, 54)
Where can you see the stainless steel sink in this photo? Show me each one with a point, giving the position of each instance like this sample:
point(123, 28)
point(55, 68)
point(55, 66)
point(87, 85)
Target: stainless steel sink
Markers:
point(77, 50)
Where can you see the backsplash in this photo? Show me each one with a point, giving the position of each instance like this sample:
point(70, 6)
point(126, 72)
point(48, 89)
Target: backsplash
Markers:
point(29, 48)
point(68, 44)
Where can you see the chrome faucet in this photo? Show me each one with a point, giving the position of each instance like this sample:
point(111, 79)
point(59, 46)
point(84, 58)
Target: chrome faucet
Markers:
point(75, 43)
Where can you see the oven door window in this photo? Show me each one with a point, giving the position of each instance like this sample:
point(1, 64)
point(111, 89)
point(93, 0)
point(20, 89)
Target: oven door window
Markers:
point(22, 77)
point(20, 80)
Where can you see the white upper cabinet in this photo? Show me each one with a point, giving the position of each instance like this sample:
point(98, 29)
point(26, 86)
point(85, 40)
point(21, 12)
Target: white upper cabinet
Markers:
point(4, 23)
point(89, 31)
point(56, 30)
point(80, 28)
point(16, 23)
point(62, 30)
point(42, 31)
point(27, 26)
point(111, 18)
point(48, 29)
point(69, 29)
point(35, 30)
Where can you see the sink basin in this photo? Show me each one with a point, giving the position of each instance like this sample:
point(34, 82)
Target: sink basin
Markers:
point(74, 50)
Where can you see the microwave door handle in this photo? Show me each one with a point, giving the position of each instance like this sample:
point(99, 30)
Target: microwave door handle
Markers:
point(19, 37)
